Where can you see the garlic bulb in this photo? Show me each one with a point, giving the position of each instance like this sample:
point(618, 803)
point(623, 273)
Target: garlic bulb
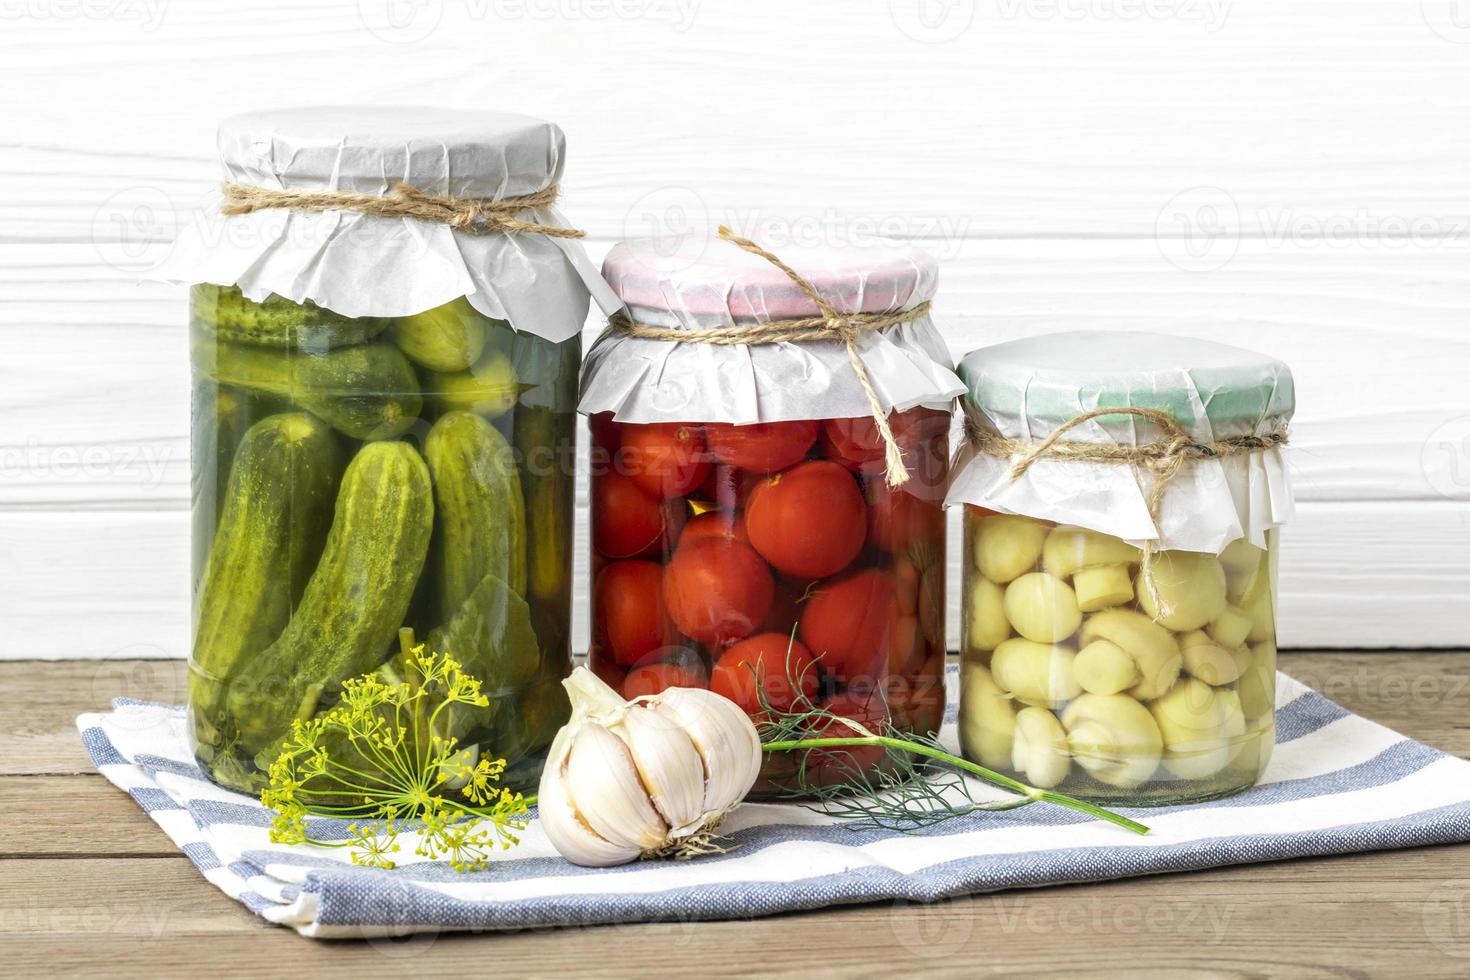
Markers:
point(649, 777)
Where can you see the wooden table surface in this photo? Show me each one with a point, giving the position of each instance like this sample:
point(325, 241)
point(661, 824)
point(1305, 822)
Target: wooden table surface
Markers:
point(88, 884)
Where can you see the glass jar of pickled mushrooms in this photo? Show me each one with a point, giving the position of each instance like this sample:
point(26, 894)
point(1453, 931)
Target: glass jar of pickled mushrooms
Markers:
point(1118, 635)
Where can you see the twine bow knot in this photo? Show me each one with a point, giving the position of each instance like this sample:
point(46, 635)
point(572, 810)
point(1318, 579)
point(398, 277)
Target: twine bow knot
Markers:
point(831, 324)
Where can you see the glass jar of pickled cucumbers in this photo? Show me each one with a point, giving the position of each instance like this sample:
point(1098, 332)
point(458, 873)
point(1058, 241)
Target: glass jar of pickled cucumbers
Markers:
point(1119, 583)
point(745, 533)
point(380, 459)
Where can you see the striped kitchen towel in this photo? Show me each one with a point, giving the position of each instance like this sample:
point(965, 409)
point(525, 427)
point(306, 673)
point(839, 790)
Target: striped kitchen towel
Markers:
point(1337, 783)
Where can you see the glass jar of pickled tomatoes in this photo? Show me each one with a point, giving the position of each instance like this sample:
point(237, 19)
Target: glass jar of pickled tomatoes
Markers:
point(1119, 637)
point(746, 534)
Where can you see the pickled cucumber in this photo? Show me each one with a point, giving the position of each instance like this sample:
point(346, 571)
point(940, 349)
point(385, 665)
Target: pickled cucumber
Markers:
point(276, 513)
point(446, 338)
point(352, 606)
point(365, 392)
point(225, 313)
point(490, 388)
point(482, 521)
point(544, 439)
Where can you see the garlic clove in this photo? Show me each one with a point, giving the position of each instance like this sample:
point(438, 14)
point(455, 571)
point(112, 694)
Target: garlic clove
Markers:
point(725, 738)
point(608, 794)
point(669, 765)
point(572, 837)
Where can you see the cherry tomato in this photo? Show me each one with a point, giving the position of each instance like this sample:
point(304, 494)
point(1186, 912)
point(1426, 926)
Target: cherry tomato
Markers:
point(628, 609)
point(781, 672)
point(727, 486)
point(808, 521)
point(627, 522)
point(931, 604)
point(656, 678)
point(717, 589)
point(715, 524)
point(605, 432)
point(828, 767)
point(916, 702)
point(854, 443)
point(785, 609)
point(849, 625)
point(600, 661)
point(666, 459)
point(906, 655)
point(762, 447)
point(922, 435)
point(906, 580)
point(898, 520)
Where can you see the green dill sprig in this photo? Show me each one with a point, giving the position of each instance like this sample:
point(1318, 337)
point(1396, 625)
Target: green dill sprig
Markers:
point(918, 784)
point(377, 758)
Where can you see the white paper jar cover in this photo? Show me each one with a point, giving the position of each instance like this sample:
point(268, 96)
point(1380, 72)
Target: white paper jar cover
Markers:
point(369, 265)
point(698, 282)
point(1026, 389)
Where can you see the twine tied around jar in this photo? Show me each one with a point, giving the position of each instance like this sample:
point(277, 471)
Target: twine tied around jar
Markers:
point(846, 328)
point(1163, 457)
point(475, 215)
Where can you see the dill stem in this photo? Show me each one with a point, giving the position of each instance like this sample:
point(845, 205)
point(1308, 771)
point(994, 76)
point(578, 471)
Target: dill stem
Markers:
point(1032, 793)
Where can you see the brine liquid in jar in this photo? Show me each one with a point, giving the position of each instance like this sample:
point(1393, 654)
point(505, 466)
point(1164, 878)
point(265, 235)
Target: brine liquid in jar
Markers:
point(353, 477)
point(772, 564)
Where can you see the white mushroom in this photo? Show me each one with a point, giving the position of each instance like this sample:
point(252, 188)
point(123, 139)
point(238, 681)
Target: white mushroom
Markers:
point(1102, 587)
point(1007, 546)
point(1114, 738)
point(987, 717)
point(1103, 667)
point(1042, 607)
point(1040, 749)
point(1035, 673)
point(1154, 650)
point(1212, 662)
point(1069, 549)
point(986, 627)
point(1190, 589)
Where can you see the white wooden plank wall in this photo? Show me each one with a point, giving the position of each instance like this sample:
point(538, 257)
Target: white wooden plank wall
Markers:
point(1289, 175)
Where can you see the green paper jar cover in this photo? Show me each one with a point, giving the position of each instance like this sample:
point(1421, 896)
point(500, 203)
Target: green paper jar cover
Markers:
point(1026, 389)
